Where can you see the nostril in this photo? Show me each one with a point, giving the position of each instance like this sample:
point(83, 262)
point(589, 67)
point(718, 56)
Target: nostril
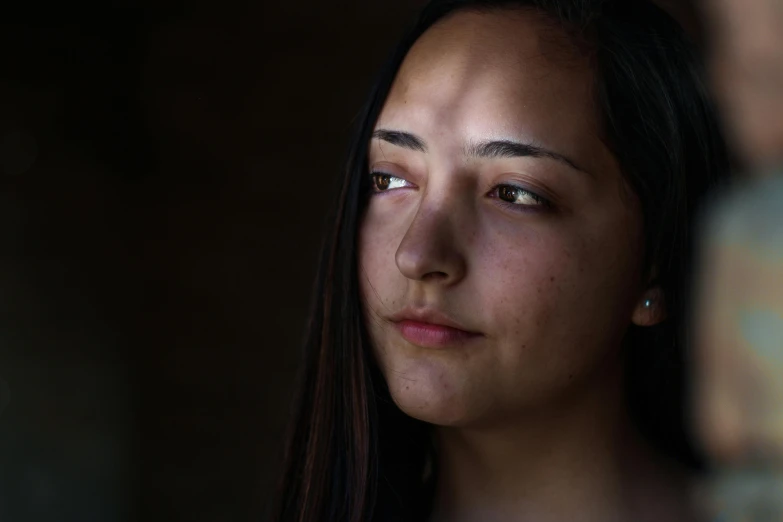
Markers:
point(436, 275)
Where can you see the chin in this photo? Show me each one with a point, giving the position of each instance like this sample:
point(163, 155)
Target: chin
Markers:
point(434, 412)
point(432, 401)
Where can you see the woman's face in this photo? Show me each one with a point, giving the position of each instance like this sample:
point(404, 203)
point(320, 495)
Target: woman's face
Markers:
point(499, 206)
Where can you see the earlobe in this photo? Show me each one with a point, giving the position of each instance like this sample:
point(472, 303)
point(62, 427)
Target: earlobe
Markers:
point(651, 308)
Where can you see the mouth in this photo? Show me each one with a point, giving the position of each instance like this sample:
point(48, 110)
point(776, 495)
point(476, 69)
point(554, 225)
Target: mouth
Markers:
point(433, 335)
point(430, 328)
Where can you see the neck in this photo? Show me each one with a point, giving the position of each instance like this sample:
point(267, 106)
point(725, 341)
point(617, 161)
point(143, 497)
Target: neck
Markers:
point(578, 460)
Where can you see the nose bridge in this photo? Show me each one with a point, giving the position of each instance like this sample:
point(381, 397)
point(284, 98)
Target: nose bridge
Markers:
point(431, 245)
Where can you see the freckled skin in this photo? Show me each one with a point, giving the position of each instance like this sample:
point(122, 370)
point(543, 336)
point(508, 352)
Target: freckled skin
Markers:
point(553, 291)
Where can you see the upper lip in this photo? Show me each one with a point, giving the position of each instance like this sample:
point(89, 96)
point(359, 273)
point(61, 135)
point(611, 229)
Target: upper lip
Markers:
point(429, 315)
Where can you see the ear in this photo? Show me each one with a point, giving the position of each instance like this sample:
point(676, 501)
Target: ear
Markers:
point(651, 308)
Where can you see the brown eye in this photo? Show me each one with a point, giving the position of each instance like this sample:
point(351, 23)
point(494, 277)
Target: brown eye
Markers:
point(384, 182)
point(519, 196)
point(507, 193)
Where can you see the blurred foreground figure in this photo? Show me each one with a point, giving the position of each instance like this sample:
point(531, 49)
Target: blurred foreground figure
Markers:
point(739, 357)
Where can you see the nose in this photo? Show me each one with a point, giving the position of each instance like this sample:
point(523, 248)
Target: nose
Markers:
point(431, 249)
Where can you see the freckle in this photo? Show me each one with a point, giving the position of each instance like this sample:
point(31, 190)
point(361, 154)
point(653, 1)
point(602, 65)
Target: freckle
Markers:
point(552, 279)
point(570, 376)
point(407, 387)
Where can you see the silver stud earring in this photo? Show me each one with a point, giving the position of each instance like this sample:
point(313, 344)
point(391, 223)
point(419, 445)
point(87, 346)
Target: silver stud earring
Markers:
point(648, 303)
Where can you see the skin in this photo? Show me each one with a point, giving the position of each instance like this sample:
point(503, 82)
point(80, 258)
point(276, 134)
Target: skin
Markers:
point(534, 405)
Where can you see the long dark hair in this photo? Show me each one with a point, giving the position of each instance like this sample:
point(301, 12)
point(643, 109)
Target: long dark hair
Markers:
point(351, 454)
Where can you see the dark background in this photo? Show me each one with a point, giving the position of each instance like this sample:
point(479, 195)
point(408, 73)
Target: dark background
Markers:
point(165, 170)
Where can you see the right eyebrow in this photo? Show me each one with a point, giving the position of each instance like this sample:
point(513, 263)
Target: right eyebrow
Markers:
point(401, 139)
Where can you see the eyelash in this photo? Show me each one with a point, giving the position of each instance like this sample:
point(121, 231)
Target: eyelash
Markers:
point(542, 202)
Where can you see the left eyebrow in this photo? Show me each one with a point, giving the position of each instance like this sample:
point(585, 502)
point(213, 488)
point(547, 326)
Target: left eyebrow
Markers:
point(484, 149)
point(513, 149)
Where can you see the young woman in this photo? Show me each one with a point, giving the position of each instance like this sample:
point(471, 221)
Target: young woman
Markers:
point(498, 325)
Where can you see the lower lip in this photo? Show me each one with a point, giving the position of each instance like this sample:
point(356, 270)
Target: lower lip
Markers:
point(433, 335)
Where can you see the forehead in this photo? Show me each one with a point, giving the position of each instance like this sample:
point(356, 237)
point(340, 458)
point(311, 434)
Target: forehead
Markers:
point(494, 40)
point(506, 73)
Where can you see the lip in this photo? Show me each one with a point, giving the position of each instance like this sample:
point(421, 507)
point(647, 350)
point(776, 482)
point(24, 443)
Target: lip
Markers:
point(431, 328)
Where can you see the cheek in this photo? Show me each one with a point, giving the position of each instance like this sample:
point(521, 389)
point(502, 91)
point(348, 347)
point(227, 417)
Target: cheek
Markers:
point(378, 274)
point(521, 281)
point(381, 285)
point(556, 306)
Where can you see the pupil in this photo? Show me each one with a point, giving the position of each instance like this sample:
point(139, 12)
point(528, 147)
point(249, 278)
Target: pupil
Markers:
point(508, 193)
point(383, 181)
